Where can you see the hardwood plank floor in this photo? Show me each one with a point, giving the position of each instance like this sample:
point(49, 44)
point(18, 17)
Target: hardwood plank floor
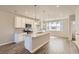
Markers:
point(59, 45)
point(14, 49)
point(56, 45)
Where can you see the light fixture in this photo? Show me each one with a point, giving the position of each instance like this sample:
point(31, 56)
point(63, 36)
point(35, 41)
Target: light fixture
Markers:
point(36, 23)
point(35, 12)
point(73, 22)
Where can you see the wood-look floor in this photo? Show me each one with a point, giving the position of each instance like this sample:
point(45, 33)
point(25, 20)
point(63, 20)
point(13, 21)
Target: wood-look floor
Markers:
point(55, 45)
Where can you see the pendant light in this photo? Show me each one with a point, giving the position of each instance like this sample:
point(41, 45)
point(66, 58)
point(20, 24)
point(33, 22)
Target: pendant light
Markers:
point(35, 6)
point(35, 13)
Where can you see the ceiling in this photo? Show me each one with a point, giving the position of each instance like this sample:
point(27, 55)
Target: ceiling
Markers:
point(44, 12)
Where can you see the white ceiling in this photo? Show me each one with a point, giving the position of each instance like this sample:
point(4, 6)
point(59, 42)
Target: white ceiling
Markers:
point(45, 12)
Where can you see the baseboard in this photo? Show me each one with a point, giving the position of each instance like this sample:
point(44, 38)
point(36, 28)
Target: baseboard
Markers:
point(6, 43)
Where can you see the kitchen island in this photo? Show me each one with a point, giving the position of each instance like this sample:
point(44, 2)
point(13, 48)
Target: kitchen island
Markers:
point(33, 42)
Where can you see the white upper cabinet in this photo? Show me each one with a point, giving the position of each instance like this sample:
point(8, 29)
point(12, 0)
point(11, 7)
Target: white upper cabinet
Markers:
point(23, 23)
point(28, 21)
point(18, 21)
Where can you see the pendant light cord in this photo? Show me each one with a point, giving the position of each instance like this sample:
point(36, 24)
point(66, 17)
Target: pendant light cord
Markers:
point(35, 11)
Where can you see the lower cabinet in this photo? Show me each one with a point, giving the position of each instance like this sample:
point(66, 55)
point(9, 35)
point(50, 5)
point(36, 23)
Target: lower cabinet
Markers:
point(19, 37)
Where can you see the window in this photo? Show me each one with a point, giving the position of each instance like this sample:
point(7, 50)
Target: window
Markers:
point(55, 26)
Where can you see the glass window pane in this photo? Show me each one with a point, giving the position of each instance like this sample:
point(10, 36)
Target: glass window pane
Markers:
point(55, 26)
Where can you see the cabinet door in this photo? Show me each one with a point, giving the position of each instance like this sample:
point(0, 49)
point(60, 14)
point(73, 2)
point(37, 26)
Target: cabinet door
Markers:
point(19, 37)
point(27, 21)
point(18, 21)
point(23, 23)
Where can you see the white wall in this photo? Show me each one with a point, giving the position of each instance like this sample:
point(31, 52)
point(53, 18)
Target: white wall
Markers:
point(71, 18)
point(77, 25)
point(6, 27)
point(77, 19)
point(72, 25)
